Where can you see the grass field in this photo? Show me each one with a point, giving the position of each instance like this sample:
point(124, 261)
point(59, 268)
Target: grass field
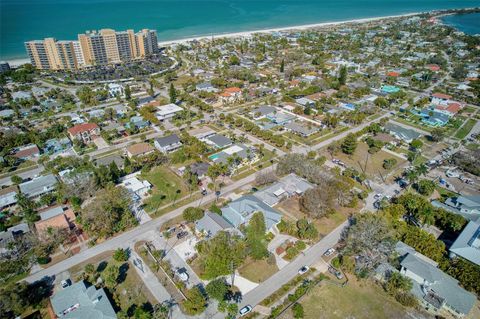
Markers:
point(356, 300)
point(465, 129)
point(257, 270)
point(374, 162)
point(165, 185)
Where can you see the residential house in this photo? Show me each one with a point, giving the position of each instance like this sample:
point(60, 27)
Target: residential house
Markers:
point(58, 217)
point(288, 186)
point(10, 235)
point(206, 87)
point(57, 145)
point(202, 132)
point(21, 95)
point(107, 160)
point(85, 132)
point(115, 90)
point(82, 301)
point(218, 141)
point(168, 111)
point(8, 196)
point(139, 149)
point(136, 187)
point(231, 95)
point(401, 133)
point(262, 112)
point(27, 152)
point(7, 113)
point(38, 186)
point(240, 211)
point(138, 122)
point(301, 128)
point(168, 143)
point(240, 152)
point(435, 289)
point(199, 169)
point(467, 206)
point(303, 101)
point(440, 99)
point(467, 245)
point(211, 223)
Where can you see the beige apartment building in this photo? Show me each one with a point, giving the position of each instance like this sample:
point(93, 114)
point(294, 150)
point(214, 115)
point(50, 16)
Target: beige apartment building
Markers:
point(92, 48)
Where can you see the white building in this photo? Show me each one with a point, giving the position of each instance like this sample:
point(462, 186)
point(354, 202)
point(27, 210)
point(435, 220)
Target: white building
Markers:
point(135, 186)
point(167, 111)
point(115, 89)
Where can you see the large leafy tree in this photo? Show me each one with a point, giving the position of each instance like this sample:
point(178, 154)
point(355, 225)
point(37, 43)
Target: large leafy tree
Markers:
point(349, 144)
point(255, 237)
point(371, 239)
point(108, 213)
point(221, 255)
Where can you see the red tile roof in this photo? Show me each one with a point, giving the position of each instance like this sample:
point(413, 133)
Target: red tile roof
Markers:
point(392, 73)
point(74, 130)
point(27, 152)
point(454, 108)
point(433, 67)
point(232, 90)
point(60, 221)
point(442, 96)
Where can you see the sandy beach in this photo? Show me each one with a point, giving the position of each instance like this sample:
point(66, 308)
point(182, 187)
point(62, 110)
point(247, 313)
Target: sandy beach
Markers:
point(18, 62)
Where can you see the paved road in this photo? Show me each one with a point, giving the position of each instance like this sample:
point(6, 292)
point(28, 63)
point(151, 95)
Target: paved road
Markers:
point(129, 238)
point(287, 273)
point(24, 175)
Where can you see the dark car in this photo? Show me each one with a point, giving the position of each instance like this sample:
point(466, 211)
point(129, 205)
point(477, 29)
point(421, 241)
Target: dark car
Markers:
point(182, 234)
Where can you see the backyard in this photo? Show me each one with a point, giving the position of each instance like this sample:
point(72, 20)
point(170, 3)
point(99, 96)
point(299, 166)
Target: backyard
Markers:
point(167, 188)
point(465, 129)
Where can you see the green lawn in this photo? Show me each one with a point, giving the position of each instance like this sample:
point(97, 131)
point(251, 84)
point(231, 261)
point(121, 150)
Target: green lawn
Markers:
point(257, 270)
point(465, 129)
point(165, 185)
point(356, 300)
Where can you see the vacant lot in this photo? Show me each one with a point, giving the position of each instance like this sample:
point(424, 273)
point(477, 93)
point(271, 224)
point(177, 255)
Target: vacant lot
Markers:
point(356, 300)
point(371, 164)
point(465, 129)
point(257, 270)
point(291, 210)
point(167, 187)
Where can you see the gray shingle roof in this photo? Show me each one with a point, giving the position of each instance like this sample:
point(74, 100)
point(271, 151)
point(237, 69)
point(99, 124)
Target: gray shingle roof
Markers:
point(39, 185)
point(81, 302)
point(287, 186)
point(240, 211)
point(467, 245)
point(212, 223)
point(168, 140)
point(402, 133)
point(220, 141)
point(439, 283)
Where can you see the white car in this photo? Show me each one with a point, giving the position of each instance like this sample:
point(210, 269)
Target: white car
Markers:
point(329, 252)
point(245, 310)
point(377, 196)
point(303, 270)
point(183, 275)
point(65, 283)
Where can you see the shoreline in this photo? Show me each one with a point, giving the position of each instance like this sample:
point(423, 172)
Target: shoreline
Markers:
point(21, 61)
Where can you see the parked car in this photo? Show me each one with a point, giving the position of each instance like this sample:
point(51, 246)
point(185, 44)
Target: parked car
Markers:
point(377, 196)
point(329, 252)
point(303, 270)
point(65, 283)
point(245, 310)
point(182, 234)
point(182, 274)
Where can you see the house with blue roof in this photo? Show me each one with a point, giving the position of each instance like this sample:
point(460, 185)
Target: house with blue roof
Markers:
point(137, 122)
point(240, 211)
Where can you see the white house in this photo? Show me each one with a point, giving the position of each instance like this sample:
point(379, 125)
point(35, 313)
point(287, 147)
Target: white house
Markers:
point(167, 111)
point(136, 186)
point(115, 90)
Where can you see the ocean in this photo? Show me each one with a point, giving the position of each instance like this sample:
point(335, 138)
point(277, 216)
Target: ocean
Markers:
point(467, 23)
point(23, 20)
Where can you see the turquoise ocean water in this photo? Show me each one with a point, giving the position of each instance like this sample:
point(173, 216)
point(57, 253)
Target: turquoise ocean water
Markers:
point(22, 20)
point(467, 23)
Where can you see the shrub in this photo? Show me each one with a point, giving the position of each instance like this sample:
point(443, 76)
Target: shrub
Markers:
point(120, 255)
point(297, 310)
point(192, 214)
